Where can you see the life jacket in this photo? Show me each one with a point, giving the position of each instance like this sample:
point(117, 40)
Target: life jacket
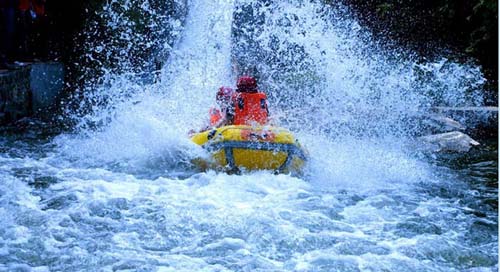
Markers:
point(250, 108)
point(39, 7)
point(215, 116)
point(24, 5)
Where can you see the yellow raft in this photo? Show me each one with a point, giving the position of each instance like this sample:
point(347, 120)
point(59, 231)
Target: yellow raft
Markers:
point(236, 148)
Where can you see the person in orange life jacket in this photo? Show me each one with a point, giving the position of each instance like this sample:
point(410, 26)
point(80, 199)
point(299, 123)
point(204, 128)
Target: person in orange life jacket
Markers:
point(249, 105)
point(219, 115)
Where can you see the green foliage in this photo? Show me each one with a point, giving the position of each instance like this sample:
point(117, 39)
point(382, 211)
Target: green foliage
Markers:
point(384, 9)
point(485, 18)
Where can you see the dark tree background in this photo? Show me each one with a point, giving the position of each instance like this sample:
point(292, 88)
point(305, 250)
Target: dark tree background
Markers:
point(461, 29)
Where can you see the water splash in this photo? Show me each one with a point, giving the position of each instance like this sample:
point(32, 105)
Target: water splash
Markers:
point(326, 74)
point(364, 203)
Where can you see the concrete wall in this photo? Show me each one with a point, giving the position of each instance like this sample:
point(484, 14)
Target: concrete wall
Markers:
point(46, 82)
point(30, 89)
point(15, 95)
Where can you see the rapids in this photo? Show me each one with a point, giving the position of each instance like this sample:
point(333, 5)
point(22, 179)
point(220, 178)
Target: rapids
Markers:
point(119, 192)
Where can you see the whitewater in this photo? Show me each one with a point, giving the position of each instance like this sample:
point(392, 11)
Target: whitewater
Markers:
point(119, 192)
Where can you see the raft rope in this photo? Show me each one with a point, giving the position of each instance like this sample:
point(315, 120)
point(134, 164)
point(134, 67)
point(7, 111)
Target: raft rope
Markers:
point(228, 146)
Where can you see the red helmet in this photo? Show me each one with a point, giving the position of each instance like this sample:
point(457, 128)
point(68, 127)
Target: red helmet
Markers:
point(224, 93)
point(246, 83)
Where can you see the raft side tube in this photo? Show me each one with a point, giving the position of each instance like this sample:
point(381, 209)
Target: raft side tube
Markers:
point(252, 148)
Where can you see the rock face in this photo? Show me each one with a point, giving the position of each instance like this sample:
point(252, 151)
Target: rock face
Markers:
point(479, 121)
point(444, 123)
point(46, 83)
point(29, 89)
point(445, 134)
point(15, 95)
point(454, 141)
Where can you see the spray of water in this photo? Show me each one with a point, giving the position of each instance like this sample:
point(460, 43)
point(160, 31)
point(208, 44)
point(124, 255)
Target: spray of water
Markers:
point(326, 74)
point(326, 79)
point(118, 193)
point(136, 122)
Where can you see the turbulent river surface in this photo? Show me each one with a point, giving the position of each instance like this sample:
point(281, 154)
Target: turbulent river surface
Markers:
point(118, 192)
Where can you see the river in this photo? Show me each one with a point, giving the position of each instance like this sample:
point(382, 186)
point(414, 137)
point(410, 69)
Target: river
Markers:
point(119, 193)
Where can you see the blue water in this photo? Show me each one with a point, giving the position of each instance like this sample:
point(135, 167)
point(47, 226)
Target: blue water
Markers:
point(120, 193)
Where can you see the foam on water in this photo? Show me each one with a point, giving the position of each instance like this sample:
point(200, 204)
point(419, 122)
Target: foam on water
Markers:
point(362, 165)
point(109, 196)
point(99, 218)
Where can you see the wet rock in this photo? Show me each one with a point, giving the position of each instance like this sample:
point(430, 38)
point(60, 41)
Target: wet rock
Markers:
point(470, 110)
point(15, 95)
point(43, 182)
point(454, 141)
point(59, 202)
point(480, 121)
point(441, 123)
point(29, 89)
point(46, 84)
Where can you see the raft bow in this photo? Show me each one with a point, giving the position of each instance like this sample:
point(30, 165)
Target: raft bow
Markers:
point(235, 148)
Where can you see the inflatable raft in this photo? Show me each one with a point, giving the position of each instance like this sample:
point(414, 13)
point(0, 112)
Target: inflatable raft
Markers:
point(236, 148)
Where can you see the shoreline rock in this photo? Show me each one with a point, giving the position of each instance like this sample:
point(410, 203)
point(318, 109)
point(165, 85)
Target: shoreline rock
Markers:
point(454, 141)
point(29, 89)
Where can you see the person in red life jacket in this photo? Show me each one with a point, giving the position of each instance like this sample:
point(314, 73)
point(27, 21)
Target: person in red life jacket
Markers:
point(39, 7)
point(249, 105)
point(219, 115)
